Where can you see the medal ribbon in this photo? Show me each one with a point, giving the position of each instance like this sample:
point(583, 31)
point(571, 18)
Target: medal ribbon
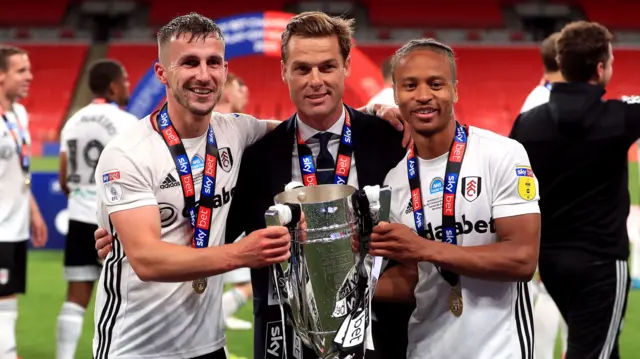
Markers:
point(22, 147)
point(201, 223)
point(452, 171)
point(343, 163)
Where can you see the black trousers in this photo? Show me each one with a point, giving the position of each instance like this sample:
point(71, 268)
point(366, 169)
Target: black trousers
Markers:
point(592, 295)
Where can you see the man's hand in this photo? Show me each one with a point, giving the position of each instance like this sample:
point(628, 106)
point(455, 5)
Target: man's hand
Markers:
point(396, 241)
point(103, 242)
point(264, 247)
point(392, 115)
point(38, 230)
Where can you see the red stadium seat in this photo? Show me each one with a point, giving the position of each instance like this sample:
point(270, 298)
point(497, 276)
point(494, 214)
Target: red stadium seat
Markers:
point(436, 13)
point(32, 13)
point(615, 15)
point(162, 12)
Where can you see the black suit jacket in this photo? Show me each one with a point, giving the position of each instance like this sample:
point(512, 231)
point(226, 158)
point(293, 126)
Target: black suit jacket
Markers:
point(264, 172)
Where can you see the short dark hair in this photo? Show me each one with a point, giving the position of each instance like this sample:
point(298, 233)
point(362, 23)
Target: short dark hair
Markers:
point(549, 53)
point(102, 73)
point(424, 44)
point(197, 25)
point(581, 46)
point(313, 24)
point(6, 52)
point(386, 68)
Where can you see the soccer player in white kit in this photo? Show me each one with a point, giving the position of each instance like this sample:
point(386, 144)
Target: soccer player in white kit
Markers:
point(18, 209)
point(546, 315)
point(163, 189)
point(82, 140)
point(465, 211)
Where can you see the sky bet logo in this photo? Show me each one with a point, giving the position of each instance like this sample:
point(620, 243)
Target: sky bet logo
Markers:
point(460, 135)
point(308, 170)
point(164, 120)
point(346, 137)
point(449, 234)
point(170, 136)
point(524, 172)
point(183, 164)
point(210, 166)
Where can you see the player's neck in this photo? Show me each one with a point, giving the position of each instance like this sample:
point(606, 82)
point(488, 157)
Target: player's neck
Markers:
point(6, 104)
point(436, 144)
point(322, 123)
point(186, 123)
point(223, 108)
point(554, 77)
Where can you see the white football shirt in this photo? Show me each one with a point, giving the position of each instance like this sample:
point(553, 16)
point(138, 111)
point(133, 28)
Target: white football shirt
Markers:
point(384, 97)
point(14, 195)
point(83, 138)
point(538, 96)
point(135, 319)
point(495, 181)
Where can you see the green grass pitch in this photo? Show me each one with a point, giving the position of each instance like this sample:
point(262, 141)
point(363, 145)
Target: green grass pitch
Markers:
point(46, 290)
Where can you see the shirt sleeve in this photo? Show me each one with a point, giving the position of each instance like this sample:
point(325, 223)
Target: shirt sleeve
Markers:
point(515, 187)
point(249, 128)
point(121, 182)
point(537, 97)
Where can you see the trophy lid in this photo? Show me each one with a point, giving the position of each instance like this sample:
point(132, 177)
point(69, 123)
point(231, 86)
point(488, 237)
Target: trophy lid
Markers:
point(315, 194)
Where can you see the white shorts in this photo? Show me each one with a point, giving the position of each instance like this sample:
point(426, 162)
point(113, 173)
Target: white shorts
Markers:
point(240, 275)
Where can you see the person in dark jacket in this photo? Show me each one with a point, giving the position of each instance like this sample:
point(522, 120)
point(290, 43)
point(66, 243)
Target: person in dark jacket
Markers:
point(315, 58)
point(578, 145)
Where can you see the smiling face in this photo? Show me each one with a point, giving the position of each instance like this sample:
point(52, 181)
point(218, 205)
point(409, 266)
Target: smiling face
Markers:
point(315, 72)
point(425, 90)
point(194, 71)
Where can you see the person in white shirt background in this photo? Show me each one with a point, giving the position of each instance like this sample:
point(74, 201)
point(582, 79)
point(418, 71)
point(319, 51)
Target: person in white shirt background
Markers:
point(540, 94)
point(19, 211)
point(82, 140)
point(385, 96)
point(234, 100)
point(464, 210)
point(546, 315)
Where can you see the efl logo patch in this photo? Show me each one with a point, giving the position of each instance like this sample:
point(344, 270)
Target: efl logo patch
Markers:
point(526, 183)
point(471, 188)
point(110, 176)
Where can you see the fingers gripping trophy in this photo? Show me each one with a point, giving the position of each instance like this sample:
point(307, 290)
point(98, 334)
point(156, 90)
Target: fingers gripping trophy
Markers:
point(324, 288)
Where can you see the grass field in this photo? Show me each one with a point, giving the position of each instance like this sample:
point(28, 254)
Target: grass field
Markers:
point(46, 290)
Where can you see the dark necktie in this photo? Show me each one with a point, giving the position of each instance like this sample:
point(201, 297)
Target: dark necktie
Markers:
point(325, 164)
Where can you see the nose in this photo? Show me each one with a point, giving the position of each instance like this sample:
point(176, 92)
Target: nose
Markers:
point(316, 80)
point(29, 76)
point(424, 93)
point(202, 72)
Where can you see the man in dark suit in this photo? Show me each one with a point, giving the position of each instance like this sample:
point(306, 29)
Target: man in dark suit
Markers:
point(315, 62)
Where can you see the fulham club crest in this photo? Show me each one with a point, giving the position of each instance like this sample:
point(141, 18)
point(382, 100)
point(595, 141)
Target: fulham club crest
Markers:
point(471, 187)
point(226, 160)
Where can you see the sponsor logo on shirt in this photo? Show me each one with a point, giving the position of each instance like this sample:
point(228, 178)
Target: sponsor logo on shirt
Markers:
point(110, 176)
point(169, 182)
point(526, 183)
point(463, 227)
point(197, 163)
point(436, 186)
point(275, 340)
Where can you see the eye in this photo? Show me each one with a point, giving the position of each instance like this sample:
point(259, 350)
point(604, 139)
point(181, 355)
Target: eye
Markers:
point(437, 85)
point(409, 86)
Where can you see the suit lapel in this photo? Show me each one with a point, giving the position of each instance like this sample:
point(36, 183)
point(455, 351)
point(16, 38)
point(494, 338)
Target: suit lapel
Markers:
point(281, 157)
point(359, 137)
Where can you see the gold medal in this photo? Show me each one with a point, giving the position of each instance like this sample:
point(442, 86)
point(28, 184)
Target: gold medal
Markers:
point(455, 303)
point(199, 285)
point(27, 181)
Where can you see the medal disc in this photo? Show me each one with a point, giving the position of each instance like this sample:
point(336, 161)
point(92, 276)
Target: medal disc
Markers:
point(199, 285)
point(455, 304)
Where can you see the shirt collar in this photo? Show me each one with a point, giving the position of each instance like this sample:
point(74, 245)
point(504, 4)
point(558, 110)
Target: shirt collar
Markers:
point(306, 131)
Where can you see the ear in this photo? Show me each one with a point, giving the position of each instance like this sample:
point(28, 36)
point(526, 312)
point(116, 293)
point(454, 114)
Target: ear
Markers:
point(226, 72)
point(347, 66)
point(283, 71)
point(455, 92)
point(161, 73)
point(600, 70)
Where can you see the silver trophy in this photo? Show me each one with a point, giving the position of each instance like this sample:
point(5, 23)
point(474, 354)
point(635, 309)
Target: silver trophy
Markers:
point(325, 289)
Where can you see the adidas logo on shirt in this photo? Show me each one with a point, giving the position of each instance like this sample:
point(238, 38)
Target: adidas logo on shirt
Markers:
point(169, 182)
point(409, 208)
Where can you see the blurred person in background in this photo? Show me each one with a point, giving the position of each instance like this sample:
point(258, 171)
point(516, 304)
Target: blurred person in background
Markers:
point(578, 144)
point(540, 94)
point(234, 100)
point(546, 316)
point(385, 96)
point(19, 211)
point(82, 140)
